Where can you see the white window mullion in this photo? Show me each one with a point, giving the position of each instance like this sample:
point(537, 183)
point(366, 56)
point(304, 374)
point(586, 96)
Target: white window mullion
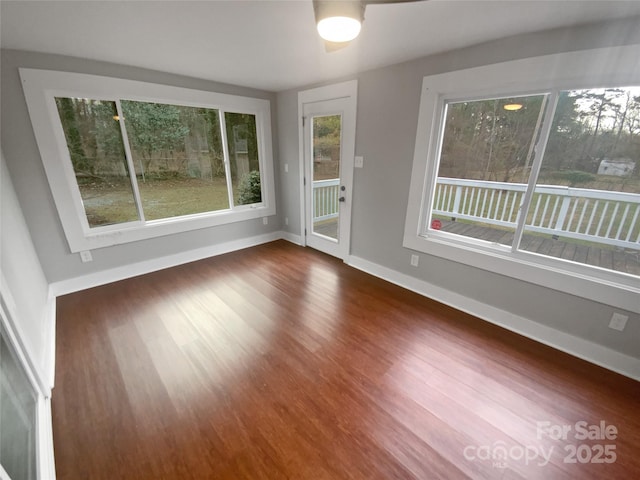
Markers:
point(431, 181)
point(227, 158)
point(127, 152)
point(541, 145)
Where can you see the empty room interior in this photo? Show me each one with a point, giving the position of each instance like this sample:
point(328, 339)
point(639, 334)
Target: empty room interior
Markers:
point(318, 239)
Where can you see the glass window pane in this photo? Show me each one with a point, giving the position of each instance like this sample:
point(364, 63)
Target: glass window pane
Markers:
point(178, 158)
point(586, 204)
point(327, 135)
point(18, 402)
point(95, 145)
point(485, 161)
point(243, 156)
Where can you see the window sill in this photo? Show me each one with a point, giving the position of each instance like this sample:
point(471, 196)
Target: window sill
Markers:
point(106, 237)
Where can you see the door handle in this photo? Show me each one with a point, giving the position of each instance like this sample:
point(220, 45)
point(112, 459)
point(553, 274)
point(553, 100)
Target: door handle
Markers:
point(341, 199)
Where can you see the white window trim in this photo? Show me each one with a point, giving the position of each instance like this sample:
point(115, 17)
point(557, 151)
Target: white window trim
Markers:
point(619, 66)
point(40, 89)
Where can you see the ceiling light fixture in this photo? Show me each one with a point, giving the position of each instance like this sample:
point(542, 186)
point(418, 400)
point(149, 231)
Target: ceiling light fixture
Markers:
point(512, 107)
point(339, 21)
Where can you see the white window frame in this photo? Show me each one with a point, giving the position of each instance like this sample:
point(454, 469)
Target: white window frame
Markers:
point(41, 87)
point(607, 67)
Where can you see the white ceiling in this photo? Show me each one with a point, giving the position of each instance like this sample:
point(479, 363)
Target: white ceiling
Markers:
point(271, 44)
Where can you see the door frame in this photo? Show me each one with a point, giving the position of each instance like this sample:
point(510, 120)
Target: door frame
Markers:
point(349, 92)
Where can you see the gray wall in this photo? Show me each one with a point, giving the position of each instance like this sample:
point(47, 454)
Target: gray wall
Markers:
point(26, 290)
point(388, 104)
point(28, 176)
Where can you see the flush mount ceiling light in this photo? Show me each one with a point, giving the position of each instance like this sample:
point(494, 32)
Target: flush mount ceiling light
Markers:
point(340, 21)
point(512, 107)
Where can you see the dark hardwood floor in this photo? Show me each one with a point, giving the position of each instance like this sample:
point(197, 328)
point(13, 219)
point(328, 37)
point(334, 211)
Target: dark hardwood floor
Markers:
point(279, 362)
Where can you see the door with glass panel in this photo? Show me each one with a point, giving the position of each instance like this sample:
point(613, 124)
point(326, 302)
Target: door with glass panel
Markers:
point(329, 132)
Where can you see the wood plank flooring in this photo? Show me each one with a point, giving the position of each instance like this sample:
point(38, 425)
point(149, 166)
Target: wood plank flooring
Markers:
point(278, 362)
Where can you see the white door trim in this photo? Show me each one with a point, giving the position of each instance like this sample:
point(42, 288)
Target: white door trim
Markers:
point(349, 91)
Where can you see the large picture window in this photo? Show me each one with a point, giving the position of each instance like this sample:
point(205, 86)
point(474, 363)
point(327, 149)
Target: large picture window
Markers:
point(128, 160)
point(580, 203)
point(532, 176)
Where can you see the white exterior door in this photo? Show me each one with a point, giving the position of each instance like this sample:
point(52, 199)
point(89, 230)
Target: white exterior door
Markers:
point(328, 134)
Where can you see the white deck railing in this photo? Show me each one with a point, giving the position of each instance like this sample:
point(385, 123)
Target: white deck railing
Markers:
point(325, 199)
point(593, 215)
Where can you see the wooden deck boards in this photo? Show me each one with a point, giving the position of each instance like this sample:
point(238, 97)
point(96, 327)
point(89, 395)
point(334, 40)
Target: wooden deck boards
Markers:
point(626, 261)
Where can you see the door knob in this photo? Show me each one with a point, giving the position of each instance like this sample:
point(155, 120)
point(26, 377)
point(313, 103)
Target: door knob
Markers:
point(341, 199)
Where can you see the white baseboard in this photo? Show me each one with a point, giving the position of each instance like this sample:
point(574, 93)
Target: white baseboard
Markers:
point(83, 282)
point(291, 237)
point(578, 347)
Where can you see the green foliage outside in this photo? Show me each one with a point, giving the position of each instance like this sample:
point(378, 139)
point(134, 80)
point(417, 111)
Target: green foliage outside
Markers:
point(573, 177)
point(176, 151)
point(327, 132)
point(250, 190)
point(483, 141)
point(74, 141)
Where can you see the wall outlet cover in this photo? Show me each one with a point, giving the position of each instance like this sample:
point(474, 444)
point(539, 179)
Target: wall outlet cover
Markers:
point(618, 321)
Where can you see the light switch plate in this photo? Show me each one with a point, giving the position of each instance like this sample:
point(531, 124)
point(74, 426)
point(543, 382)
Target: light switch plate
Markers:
point(358, 162)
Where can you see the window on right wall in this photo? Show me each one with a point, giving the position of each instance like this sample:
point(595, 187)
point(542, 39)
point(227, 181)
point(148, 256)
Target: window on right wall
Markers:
point(581, 195)
point(531, 169)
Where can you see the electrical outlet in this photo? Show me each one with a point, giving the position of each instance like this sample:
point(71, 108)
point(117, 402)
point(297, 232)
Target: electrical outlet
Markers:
point(86, 256)
point(618, 321)
point(414, 260)
point(265, 220)
point(286, 220)
point(286, 168)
